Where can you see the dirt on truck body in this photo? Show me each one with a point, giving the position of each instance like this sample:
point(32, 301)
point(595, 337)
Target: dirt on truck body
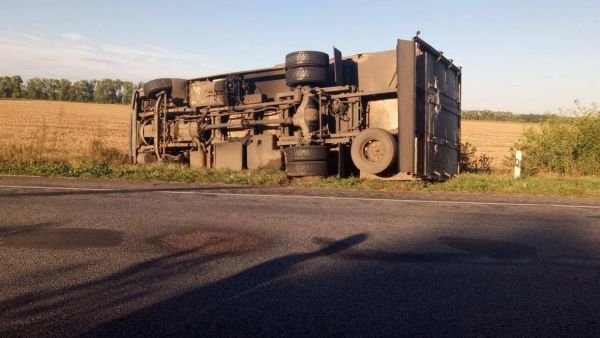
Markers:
point(392, 114)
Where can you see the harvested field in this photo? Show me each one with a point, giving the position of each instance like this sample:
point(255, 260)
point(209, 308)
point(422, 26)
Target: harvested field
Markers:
point(68, 126)
point(493, 138)
point(71, 126)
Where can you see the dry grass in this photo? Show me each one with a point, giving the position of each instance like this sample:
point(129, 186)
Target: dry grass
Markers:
point(71, 127)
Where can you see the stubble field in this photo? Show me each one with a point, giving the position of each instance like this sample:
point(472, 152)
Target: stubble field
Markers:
point(68, 128)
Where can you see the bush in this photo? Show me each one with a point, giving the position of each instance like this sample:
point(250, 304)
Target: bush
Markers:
point(471, 162)
point(564, 145)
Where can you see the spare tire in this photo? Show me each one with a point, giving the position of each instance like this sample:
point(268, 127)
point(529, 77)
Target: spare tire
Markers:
point(306, 76)
point(373, 150)
point(307, 168)
point(306, 58)
point(152, 87)
point(307, 153)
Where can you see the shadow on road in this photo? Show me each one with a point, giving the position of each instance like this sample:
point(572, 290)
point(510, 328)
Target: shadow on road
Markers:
point(450, 296)
point(81, 303)
point(468, 286)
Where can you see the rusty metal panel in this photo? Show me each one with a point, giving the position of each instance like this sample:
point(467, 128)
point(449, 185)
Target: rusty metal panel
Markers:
point(229, 155)
point(262, 153)
point(198, 159)
point(376, 70)
point(207, 93)
point(253, 98)
point(384, 114)
point(405, 70)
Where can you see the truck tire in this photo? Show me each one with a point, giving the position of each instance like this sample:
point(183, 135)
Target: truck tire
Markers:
point(306, 58)
point(306, 76)
point(152, 87)
point(307, 153)
point(373, 150)
point(306, 168)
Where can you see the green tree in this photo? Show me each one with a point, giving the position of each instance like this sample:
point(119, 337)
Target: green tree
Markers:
point(105, 91)
point(64, 89)
point(82, 91)
point(17, 87)
point(35, 89)
point(127, 90)
point(118, 89)
point(50, 88)
point(6, 87)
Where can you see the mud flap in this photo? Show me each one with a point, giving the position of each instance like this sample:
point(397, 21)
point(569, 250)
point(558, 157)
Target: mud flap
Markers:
point(229, 155)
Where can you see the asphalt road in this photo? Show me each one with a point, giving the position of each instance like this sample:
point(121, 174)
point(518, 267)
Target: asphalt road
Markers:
point(103, 258)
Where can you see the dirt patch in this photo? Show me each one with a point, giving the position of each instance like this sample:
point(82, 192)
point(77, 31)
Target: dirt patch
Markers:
point(210, 242)
point(63, 238)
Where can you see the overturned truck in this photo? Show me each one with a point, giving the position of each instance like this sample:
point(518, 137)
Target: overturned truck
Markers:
point(392, 115)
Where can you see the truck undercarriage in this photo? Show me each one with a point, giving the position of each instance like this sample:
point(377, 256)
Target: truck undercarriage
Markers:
point(393, 115)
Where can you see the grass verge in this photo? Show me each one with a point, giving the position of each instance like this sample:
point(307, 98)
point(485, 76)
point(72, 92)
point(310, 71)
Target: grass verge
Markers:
point(107, 162)
point(466, 183)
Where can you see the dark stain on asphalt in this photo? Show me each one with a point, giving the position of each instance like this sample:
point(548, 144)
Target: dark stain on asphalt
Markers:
point(490, 248)
point(63, 238)
point(208, 242)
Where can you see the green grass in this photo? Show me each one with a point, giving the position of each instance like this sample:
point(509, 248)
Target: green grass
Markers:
point(477, 183)
point(158, 172)
point(39, 159)
point(467, 183)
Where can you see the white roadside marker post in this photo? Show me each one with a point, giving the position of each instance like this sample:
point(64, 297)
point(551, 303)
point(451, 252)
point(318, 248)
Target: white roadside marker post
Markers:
point(518, 160)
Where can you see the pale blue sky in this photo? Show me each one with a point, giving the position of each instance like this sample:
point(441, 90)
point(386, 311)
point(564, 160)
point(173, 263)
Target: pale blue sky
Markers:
point(522, 56)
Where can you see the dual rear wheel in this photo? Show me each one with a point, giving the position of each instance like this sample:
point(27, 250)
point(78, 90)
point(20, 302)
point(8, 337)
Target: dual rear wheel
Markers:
point(374, 151)
point(309, 160)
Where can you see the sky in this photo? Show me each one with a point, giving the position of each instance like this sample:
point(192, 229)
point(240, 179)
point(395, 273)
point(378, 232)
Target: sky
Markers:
point(521, 56)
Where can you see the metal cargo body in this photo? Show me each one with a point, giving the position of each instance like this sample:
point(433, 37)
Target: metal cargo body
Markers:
point(392, 114)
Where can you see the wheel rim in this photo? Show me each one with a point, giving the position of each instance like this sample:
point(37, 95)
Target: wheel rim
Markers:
point(373, 151)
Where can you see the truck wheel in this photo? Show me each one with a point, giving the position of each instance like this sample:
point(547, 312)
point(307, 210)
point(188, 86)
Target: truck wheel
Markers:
point(152, 87)
point(146, 157)
point(306, 58)
point(374, 150)
point(306, 76)
point(307, 153)
point(306, 168)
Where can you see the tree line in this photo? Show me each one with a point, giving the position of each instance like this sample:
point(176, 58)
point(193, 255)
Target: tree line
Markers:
point(100, 91)
point(489, 115)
